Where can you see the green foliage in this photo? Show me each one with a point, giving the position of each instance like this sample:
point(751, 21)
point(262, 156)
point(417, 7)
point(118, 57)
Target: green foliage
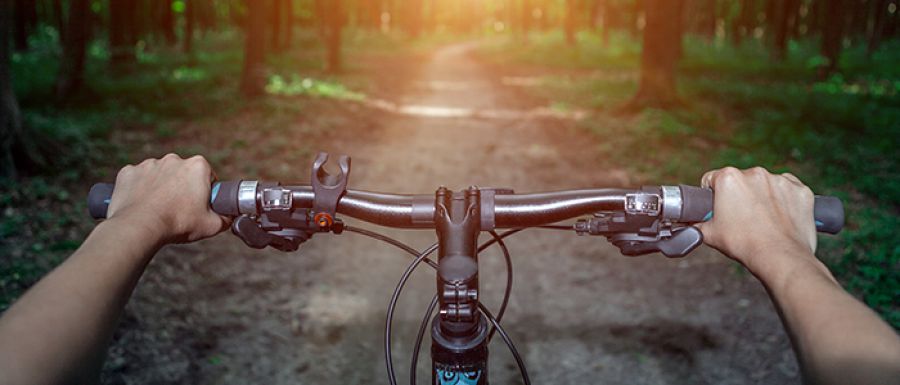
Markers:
point(39, 226)
point(166, 101)
point(298, 85)
point(742, 109)
point(550, 49)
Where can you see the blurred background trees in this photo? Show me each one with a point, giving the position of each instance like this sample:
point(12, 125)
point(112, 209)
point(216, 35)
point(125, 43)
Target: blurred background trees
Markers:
point(790, 84)
point(126, 25)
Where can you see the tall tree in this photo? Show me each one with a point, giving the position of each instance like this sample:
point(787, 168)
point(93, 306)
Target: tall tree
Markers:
point(570, 22)
point(373, 13)
point(167, 21)
point(785, 18)
point(288, 24)
point(71, 70)
point(121, 25)
point(659, 55)
point(679, 14)
point(59, 19)
point(413, 17)
point(708, 18)
point(526, 18)
point(275, 22)
point(10, 119)
point(331, 13)
point(190, 11)
point(879, 15)
point(25, 19)
point(745, 21)
point(832, 35)
point(604, 18)
point(253, 75)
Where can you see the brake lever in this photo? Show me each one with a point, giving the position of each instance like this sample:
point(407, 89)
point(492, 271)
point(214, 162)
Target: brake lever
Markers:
point(680, 243)
point(280, 225)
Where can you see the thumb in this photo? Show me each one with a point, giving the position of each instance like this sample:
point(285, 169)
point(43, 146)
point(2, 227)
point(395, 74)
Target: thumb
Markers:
point(215, 223)
point(708, 231)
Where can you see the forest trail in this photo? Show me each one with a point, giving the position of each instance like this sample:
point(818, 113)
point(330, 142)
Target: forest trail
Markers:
point(217, 312)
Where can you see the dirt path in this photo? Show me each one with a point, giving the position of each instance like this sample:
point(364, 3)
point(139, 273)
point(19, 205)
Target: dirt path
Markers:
point(216, 312)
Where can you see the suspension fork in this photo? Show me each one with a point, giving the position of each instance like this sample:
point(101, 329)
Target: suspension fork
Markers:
point(459, 331)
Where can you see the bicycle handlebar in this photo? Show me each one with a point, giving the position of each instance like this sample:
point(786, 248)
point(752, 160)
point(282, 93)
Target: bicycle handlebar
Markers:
point(680, 204)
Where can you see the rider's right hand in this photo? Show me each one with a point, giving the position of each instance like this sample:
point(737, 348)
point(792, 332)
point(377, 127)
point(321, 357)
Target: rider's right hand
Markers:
point(169, 197)
point(761, 219)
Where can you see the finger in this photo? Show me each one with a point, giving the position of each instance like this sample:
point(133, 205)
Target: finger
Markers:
point(216, 223)
point(707, 229)
point(706, 179)
point(793, 178)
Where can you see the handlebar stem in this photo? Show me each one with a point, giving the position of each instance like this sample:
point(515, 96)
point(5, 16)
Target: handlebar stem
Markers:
point(459, 330)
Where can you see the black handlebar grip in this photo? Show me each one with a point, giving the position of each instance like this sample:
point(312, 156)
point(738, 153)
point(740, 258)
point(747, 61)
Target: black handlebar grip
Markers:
point(98, 199)
point(696, 203)
point(223, 198)
point(829, 213)
point(697, 206)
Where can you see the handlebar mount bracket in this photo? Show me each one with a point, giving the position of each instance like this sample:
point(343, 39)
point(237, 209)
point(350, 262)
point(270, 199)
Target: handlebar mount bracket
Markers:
point(646, 225)
point(276, 223)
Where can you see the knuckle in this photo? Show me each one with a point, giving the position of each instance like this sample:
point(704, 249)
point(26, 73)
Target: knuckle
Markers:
point(729, 170)
point(171, 156)
point(758, 172)
point(199, 161)
point(807, 192)
point(125, 171)
point(727, 175)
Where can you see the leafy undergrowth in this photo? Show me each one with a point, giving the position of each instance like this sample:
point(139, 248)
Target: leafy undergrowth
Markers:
point(839, 135)
point(169, 101)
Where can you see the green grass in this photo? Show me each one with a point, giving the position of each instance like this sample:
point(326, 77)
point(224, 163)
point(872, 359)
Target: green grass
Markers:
point(742, 109)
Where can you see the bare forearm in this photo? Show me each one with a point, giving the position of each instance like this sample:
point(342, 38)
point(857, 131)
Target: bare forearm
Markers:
point(58, 331)
point(838, 340)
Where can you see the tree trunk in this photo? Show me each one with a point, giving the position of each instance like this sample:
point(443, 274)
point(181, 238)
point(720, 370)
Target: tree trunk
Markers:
point(679, 14)
point(606, 21)
point(10, 118)
point(71, 70)
point(782, 26)
point(639, 6)
point(526, 19)
point(120, 40)
point(167, 21)
point(253, 76)
point(288, 24)
point(190, 10)
point(859, 18)
point(570, 21)
point(375, 13)
point(659, 56)
point(832, 36)
point(414, 18)
point(275, 22)
point(794, 19)
point(880, 13)
point(20, 29)
point(745, 22)
point(60, 19)
point(772, 12)
point(892, 25)
point(707, 27)
point(332, 16)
